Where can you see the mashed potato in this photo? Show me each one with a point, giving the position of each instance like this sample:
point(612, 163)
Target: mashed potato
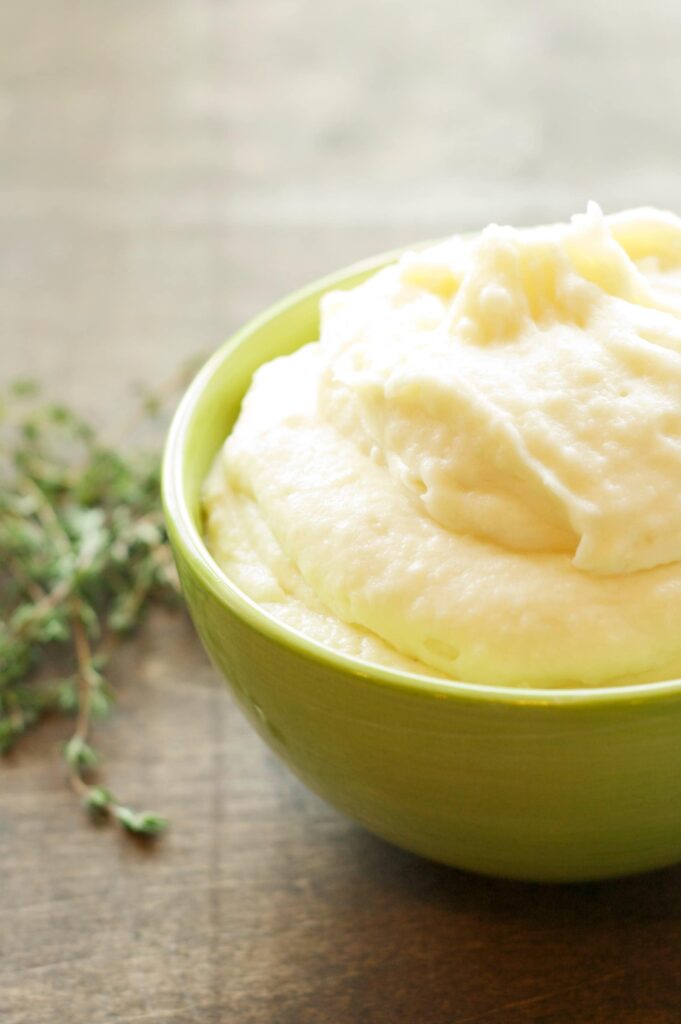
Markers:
point(476, 471)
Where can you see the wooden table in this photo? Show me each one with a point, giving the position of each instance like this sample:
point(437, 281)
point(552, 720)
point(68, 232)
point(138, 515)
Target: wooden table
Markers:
point(168, 167)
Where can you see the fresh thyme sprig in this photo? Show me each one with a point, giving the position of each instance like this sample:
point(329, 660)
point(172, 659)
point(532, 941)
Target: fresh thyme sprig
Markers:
point(83, 553)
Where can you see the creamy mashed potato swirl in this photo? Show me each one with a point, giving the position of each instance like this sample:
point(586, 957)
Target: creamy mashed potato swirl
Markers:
point(476, 471)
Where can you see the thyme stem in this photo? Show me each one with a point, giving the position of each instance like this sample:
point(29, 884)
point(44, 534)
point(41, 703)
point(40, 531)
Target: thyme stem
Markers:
point(83, 554)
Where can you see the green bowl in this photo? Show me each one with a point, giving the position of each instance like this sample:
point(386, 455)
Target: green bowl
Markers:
point(524, 783)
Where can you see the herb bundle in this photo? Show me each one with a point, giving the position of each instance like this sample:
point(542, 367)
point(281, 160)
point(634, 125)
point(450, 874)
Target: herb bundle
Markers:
point(83, 553)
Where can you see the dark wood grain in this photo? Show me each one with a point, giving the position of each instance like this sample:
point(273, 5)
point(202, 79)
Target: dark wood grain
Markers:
point(167, 168)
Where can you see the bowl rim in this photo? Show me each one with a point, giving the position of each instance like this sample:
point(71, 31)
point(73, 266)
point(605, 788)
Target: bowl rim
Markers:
point(188, 539)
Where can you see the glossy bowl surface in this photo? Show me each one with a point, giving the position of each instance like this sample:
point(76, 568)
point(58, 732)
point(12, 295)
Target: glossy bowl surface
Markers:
point(536, 784)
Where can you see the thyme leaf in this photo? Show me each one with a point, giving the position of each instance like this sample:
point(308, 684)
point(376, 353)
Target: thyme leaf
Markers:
point(83, 555)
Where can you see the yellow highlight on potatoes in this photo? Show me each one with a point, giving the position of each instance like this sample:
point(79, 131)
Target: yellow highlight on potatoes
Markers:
point(476, 471)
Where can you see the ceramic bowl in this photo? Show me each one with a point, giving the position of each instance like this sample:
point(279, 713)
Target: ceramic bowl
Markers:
point(535, 784)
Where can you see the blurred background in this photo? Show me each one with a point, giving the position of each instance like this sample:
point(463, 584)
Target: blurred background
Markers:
point(168, 167)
